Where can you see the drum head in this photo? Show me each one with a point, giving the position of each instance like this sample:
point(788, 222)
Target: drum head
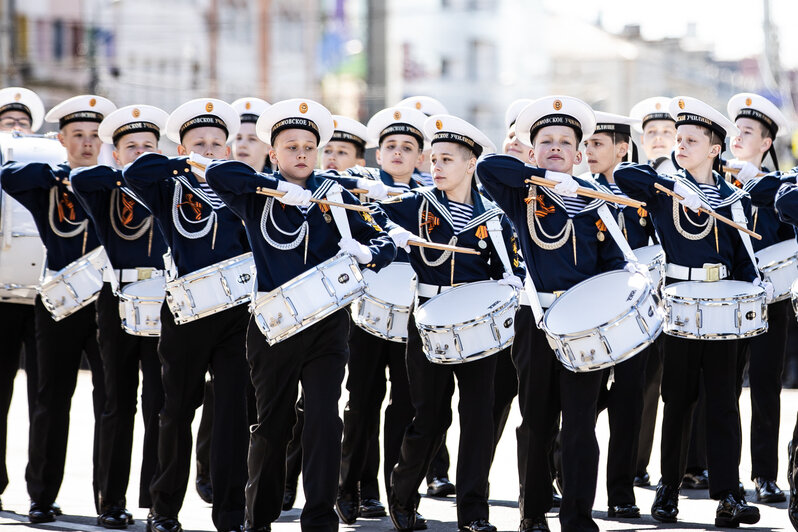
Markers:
point(392, 284)
point(648, 253)
point(715, 290)
point(777, 252)
point(464, 303)
point(31, 148)
point(595, 301)
point(154, 287)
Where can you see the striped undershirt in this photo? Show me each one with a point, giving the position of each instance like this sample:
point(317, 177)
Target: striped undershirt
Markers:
point(712, 193)
point(574, 206)
point(215, 202)
point(461, 214)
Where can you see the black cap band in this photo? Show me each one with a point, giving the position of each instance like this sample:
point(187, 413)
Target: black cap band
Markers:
point(623, 129)
point(16, 106)
point(80, 116)
point(249, 117)
point(656, 116)
point(295, 123)
point(343, 136)
point(135, 127)
point(769, 123)
point(698, 120)
point(203, 121)
point(447, 136)
point(403, 129)
point(556, 120)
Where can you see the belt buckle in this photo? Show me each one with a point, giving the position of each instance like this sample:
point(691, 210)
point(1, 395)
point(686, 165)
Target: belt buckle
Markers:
point(144, 273)
point(712, 272)
point(557, 293)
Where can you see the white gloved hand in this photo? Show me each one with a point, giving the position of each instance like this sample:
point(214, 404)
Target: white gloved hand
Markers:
point(511, 280)
point(636, 267)
point(377, 189)
point(199, 159)
point(767, 286)
point(294, 194)
point(401, 237)
point(690, 199)
point(351, 246)
point(566, 184)
point(747, 171)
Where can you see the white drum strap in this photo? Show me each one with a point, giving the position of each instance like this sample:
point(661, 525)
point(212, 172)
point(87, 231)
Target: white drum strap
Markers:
point(738, 215)
point(615, 233)
point(339, 213)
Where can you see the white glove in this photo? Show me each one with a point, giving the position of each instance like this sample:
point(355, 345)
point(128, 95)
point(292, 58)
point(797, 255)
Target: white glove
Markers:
point(766, 286)
point(636, 267)
point(747, 171)
point(401, 237)
point(690, 199)
point(566, 184)
point(376, 189)
point(511, 280)
point(294, 194)
point(351, 246)
point(199, 159)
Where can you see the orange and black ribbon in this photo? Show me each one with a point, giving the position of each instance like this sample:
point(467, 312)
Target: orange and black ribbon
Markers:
point(196, 206)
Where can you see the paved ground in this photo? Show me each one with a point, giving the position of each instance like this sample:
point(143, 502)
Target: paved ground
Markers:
point(696, 510)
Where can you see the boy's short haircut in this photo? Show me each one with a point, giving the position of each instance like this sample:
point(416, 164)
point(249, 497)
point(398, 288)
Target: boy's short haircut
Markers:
point(714, 138)
point(577, 135)
point(360, 151)
point(385, 139)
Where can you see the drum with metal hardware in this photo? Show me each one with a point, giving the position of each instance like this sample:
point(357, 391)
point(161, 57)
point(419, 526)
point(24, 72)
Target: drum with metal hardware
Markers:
point(654, 257)
point(603, 320)
point(140, 306)
point(385, 307)
point(467, 322)
point(720, 310)
point(76, 285)
point(211, 289)
point(779, 265)
point(308, 298)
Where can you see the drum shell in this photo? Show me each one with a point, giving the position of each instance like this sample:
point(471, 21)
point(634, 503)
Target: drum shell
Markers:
point(211, 289)
point(384, 309)
point(473, 339)
point(140, 314)
point(308, 298)
point(794, 297)
point(779, 266)
point(75, 286)
point(654, 257)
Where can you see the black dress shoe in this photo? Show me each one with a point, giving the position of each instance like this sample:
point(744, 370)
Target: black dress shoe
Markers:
point(480, 525)
point(440, 487)
point(536, 524)
point(768, 491)
point(267, 528)
point(666, 503)
point(642, 480)
point(289, 498)
point(733, 510)
point(421, 522)
point(161, 523)
point(114, 518)
point(205, 489)
point(696, 480)
point(403, 519)
point(556, 499)
point(57, 509)
point(624, 511)
point(372, 508)
point(129, 516)
point(792, 510)
point(347, 506)
point(41, 513)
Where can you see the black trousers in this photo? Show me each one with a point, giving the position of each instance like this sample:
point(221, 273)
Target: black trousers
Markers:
point(16, 329)
point(505, 388)
point(316, 357)
point(687, 363)
point(60, 345)
point(186, 352)
point(431, 390)
point(205, 432)
point(651, 394)
point(123, 354)
point(624, 403)
point(546, 388)
point(765, 355)
point(369, 356)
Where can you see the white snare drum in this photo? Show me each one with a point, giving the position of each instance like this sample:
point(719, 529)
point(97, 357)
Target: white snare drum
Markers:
point(76, 285)
point(603, 320)
point(211, 289)
point(654, 257)
point(794, 297)
point(140, 306)
point(779, 265)
point(385, 307)
point(468, 322)
point(719, 310)
point(22, 254)
point(308, 298)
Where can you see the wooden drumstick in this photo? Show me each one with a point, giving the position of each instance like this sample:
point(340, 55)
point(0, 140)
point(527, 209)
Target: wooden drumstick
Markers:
point(715, 215)
point(279, 193)
point(735, 171)
point(589, 193)
point(196, 165)
point(366, 192)
point(443, 247)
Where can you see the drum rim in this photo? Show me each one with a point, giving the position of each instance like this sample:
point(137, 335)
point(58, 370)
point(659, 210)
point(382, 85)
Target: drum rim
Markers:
point(666, 296)
point(371, 330)
point(416, 308)
point(634, 352)
point(210, 269)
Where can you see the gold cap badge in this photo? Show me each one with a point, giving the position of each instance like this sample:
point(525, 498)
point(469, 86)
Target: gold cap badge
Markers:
point(557, 105)
point(438, 124)
point(418, 106)
point(17, 97)
point(92, 102)
point(136, 113)
point(658, 106)
point(303, 108)
point(748, 102)
point(681, 104)
point(397, 115)
point(209, 107)
point(247, 105)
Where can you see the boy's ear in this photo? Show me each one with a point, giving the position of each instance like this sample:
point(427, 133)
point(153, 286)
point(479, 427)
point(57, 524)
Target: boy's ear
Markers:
point(578, 157)
point(181, 150)
point(623, 149)
point(378, 157)
point(714, 150)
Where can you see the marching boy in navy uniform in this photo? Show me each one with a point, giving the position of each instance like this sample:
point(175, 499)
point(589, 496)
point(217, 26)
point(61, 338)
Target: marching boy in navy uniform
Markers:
point(135, 248)
point(200, 231)
point(289, 235)
point(67, 233)
point(695, 253)
point(554, 126)
point(451, 212)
